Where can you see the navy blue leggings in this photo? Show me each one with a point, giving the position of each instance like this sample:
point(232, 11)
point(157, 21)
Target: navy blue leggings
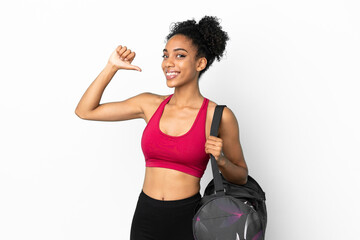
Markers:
point(163, 220)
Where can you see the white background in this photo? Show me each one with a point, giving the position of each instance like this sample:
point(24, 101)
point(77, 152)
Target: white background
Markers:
point(290, 75)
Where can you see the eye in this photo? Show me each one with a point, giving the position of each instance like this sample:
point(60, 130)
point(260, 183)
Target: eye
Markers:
point(164, 56)
point(180, 56)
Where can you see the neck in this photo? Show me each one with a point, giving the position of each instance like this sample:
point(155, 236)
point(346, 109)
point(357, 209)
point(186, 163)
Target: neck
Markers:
point(187, 95)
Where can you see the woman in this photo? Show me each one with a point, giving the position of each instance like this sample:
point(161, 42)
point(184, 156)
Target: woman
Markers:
point(176, 141)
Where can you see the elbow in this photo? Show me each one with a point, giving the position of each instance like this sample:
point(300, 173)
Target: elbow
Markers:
point(80, 114)
point(241, 181)
point(244, 177)
point(244, 180)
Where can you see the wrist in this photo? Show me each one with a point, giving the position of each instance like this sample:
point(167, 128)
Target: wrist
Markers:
point(111, 67)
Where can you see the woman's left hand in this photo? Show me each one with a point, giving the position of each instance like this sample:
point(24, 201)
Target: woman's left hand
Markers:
point(214, 146)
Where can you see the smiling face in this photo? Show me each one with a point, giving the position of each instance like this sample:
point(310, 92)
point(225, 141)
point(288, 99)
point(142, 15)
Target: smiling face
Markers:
point(180, 64)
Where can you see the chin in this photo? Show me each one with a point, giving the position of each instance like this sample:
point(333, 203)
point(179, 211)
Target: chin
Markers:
point(170, 85)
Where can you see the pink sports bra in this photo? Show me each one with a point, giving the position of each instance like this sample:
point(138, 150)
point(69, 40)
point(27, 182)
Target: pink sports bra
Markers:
point(185, 153)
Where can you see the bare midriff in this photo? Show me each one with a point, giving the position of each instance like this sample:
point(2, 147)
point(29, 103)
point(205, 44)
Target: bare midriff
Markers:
point(168, 184)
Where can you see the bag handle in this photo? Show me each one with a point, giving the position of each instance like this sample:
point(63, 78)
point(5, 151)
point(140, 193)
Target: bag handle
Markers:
point(219, 186)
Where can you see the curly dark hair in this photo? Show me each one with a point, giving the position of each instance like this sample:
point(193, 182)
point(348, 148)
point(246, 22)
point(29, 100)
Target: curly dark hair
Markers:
point(207, 36)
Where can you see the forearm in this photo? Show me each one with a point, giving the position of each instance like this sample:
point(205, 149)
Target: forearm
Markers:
point(231, 172)
point(92, 96)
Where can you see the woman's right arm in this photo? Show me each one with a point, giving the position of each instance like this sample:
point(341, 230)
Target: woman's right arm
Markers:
point(89, 106)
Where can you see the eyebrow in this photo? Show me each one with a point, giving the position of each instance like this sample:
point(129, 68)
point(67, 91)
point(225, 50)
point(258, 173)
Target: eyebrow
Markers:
point(176, 49)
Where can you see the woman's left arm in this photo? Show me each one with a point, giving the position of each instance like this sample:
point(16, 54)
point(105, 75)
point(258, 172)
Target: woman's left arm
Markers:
point(227, 150)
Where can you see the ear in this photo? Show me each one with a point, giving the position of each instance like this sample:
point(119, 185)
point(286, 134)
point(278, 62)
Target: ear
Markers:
point(201, 64)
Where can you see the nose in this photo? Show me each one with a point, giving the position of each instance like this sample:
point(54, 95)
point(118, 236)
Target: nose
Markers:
point(169, 63)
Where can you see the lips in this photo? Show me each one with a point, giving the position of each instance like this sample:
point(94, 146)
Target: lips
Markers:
point(171, 74)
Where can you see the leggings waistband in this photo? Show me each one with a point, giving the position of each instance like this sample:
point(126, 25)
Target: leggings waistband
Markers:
point(170, 203)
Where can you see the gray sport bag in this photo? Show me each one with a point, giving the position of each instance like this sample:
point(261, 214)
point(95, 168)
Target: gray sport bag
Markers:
point(229, 211)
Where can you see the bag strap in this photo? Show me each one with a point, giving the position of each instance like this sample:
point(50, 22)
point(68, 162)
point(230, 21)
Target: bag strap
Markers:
point(218, 184)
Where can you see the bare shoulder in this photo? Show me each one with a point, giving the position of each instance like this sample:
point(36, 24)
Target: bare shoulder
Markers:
point(150, 102)
point(229, 124)
point(227, 114)
point(228, 119)
point(153, 96)
point(148, 99)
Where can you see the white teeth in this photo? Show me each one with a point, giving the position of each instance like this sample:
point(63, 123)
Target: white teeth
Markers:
point(171, 73)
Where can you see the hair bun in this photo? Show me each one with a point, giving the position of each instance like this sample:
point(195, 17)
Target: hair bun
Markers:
point(214, 37)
